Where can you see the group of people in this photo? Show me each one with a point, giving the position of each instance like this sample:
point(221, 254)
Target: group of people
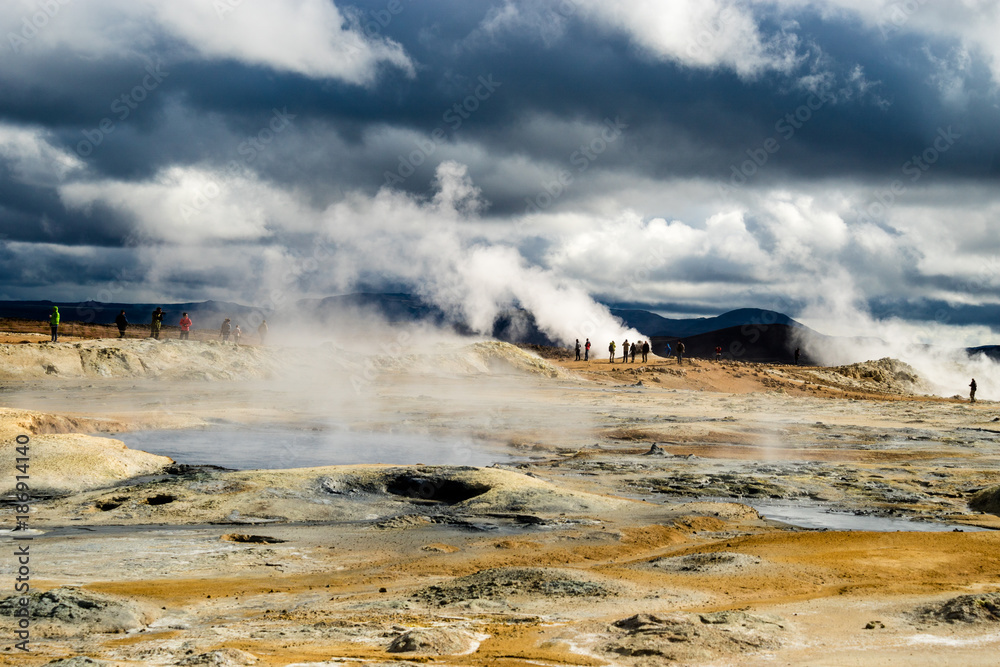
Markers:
point(629, 350)
point(156, 324)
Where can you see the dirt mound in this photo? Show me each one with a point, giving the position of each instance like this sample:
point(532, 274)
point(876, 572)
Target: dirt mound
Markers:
point(987, 500)
point(495, 357)
point(67, 462)
point(113, 358)
point(735, 511)
point(886, 375)
point(436, 641)
point(70, 611)
point(718, 562)
point(78, 661)
point(982, 608)
point(502, 584)
point(687, 637)
point(226, 657)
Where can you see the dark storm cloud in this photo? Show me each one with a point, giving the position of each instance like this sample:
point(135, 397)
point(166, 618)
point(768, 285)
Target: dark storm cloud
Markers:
point(804, 134)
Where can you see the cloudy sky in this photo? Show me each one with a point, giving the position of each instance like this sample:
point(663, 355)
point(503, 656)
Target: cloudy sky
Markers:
point(825, 158)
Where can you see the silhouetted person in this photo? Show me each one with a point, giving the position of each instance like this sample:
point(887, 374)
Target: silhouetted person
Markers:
point(632, 350)
point(262, 332)
point(578, 348)
point(798, 353)
point(645, 350)
point(157, 322)
point(225, 330)
point(972, 391)
point(718, 353)
point(54, 324)
point(625, 351)
point(185, 325)
point(680, 353)
point(586, 351)
point(122, 323)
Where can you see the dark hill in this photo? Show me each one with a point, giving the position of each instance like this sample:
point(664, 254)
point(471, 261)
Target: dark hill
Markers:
point(773, 343)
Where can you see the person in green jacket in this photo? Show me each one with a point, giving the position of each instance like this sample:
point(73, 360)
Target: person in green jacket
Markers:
point(54, 323)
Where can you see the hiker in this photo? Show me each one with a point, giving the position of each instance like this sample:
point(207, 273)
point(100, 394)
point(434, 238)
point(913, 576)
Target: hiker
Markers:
point(262, 332)
point(625, 351)
point(578, 348)
point(185, 324)
point(157, 322)
point(718, 353)
point(680, 353)
point(668, 351)
point(122, 323)
point(798, 353)
point(645, 350)
point(972, 391)
point(236, 335)
point(586, 351)
point(611, 349)
point(54, 324)
point(226, 328)
point(632, 350)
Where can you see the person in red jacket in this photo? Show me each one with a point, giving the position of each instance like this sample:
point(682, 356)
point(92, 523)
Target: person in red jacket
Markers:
point(185, 326)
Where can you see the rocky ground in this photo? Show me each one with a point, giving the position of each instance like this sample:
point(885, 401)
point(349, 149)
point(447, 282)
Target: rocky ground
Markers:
point(626, 521)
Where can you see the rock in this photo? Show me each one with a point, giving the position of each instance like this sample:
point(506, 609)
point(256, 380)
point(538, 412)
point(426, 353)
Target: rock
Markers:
point(981, 608)
point(436, 641)
point(686, 637)
point(225, 657)
point(873, 625)
point(251, 539)
point(987, 500)
point(78, 661)
point(71, 611)
point(504, 583)
point(655, 450)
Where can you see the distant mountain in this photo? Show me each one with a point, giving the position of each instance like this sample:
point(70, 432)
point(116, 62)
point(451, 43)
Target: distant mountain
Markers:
point(651, 324)
point(772, 343)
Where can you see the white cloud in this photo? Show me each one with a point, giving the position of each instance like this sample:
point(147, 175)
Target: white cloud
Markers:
point(309, 37)
point(190, 205)
point(31, 158)
point(696, 33)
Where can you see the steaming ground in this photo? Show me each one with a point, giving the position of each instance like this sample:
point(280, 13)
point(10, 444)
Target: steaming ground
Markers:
point(626, 525)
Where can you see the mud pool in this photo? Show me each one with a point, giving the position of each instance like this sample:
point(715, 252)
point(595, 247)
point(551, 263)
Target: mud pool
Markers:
point(286, 446)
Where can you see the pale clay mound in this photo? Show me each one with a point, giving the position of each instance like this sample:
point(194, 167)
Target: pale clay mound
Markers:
point(61, 463)
point(69, 611)
point(482, 358)
point(887, 376)
point(338, 493)
point(113, 358)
